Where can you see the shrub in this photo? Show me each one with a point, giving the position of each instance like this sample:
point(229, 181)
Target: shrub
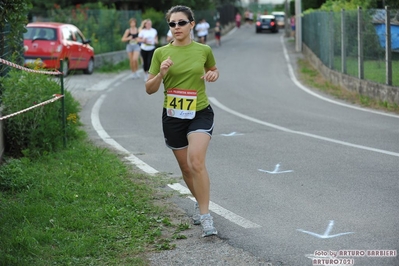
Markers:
point(39, 130)
point(158, 21)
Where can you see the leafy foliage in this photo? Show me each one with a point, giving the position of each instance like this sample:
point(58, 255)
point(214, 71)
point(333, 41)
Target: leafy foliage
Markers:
point(13, 18)
point(14, 13)
point(337, 5)
point(158, 20)
point(39, 130)
point(101, 24)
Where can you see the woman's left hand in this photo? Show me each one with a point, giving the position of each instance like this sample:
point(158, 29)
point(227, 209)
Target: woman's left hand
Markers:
point(211, 76)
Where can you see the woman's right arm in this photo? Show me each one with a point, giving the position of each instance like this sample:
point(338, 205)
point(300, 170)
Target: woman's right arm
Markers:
point(153, 83)
point(124, 37)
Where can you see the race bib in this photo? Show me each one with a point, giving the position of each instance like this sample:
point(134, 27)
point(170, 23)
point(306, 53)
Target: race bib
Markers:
point(181, 103)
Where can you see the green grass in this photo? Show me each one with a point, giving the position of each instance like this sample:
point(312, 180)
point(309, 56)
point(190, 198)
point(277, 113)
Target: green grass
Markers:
point(374, 70)
point(313, 78)
point(82, 206)
point(109, 67)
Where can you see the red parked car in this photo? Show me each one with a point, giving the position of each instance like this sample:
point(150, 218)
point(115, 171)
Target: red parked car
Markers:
point(50, 42)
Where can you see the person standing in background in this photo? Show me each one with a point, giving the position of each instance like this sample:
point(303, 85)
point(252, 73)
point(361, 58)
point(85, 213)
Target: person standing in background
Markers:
point(169, 36)
point(292, 20)
point(218, 33)
point(251, 17)
point(202, 30)
point(132, 47)
point(238, 20)
point(148, 37)
point(246, 15)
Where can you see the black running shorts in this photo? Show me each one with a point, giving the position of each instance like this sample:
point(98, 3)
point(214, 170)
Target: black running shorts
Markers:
point(176, 130)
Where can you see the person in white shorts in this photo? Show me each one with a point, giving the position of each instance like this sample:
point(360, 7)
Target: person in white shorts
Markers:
point(202, 30)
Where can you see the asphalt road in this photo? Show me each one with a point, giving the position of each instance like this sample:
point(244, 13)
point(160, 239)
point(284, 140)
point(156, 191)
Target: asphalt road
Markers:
point(294, 175)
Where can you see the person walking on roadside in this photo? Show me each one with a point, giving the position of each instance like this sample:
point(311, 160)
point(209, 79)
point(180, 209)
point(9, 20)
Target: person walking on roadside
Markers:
point(202, 30)
point(183, 66)
point(238, 20)
point(218, 33)
point(132, 47)
point(292, 20)
point(148, 37)
point(246, 15)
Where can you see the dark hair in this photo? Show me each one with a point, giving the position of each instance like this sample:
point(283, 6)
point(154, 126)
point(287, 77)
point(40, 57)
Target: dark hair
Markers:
point(184, 9)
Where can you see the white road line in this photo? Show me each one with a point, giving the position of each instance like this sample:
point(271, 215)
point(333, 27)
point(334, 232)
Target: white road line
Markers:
point(221, 106)
point(293, 78)
point(95, 121)
point(232, 217)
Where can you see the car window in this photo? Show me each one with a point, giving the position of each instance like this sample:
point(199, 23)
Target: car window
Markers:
point(67, 34)
point(78, 36)
point(40, 33)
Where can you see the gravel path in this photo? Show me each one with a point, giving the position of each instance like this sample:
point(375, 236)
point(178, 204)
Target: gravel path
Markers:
point(196, 250)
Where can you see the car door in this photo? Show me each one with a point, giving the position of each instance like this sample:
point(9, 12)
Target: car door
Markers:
point(81, 57)
point(70, 49)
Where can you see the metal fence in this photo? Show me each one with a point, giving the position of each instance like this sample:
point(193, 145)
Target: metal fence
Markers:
point(224, 14)
point(363, 44)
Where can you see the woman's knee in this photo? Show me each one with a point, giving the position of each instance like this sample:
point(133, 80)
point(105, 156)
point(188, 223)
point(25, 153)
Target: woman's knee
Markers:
point(196, 164)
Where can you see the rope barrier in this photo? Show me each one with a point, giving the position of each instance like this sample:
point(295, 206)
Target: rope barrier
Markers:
point(56, 72)
point(56, 97)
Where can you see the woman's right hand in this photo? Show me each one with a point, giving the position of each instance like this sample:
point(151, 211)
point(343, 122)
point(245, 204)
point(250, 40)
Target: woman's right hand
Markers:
point(165, 65)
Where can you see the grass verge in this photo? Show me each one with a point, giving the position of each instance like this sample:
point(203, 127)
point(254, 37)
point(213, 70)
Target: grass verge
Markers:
point(311, 77)
point(83, 206)
point(109, 67)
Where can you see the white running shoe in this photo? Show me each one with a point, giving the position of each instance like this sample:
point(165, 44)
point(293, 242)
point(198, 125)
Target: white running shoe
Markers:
point(207, 225)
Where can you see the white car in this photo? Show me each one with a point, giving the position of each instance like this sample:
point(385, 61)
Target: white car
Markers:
point(280, 17)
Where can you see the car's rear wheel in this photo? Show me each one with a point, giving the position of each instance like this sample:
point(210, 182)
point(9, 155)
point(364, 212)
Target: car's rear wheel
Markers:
point(90, 67)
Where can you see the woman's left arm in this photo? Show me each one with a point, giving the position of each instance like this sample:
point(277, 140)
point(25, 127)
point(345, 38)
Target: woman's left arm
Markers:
point(211, 74)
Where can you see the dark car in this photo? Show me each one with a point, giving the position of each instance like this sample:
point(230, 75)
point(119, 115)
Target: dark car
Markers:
point(266, 23)
point(49, 42)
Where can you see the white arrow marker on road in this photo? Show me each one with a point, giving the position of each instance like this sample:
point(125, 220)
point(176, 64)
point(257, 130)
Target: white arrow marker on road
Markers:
point(231, 134)
point(276, 170)
point(326, 233)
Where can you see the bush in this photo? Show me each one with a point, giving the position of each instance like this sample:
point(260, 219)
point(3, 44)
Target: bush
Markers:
point(39, 130)
point(103, 25)
point(158, 21)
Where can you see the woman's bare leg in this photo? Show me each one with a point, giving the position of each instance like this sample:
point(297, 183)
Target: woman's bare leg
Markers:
point(192, 164)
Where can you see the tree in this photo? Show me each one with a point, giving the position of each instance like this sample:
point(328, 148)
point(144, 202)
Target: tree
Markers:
point(40, 6)
point(312, 4)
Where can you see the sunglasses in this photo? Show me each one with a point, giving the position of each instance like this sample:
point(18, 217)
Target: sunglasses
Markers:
point(180, 23)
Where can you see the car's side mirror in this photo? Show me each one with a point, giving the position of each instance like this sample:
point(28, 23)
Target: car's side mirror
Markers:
point(87, 41)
